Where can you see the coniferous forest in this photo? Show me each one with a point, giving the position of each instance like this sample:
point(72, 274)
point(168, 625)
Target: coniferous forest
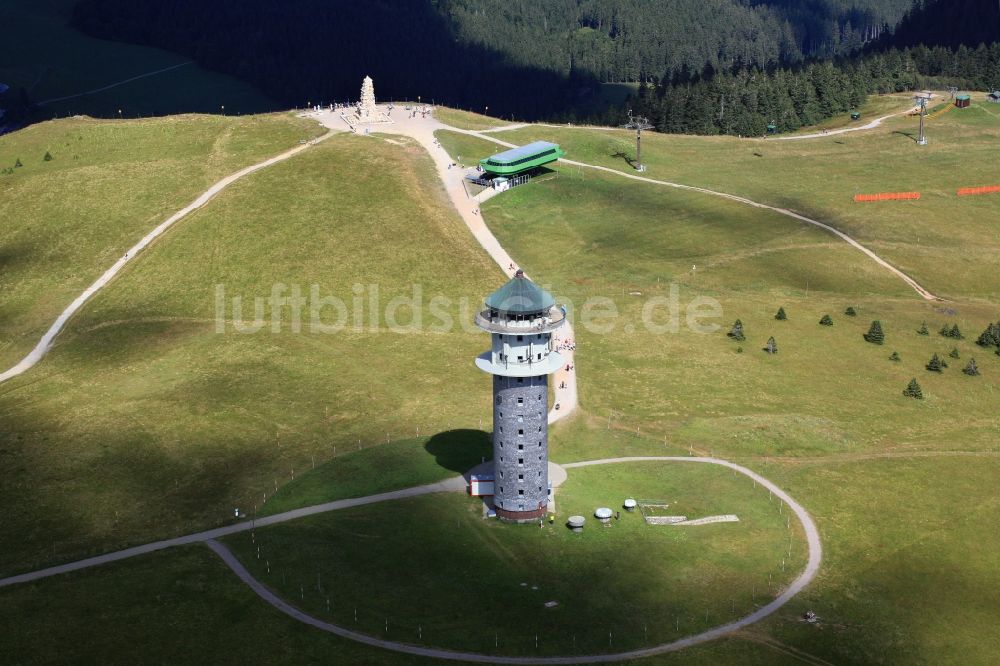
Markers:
point(701, 66)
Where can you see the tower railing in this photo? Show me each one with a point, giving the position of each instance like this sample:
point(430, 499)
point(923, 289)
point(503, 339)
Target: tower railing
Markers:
point(495, 321)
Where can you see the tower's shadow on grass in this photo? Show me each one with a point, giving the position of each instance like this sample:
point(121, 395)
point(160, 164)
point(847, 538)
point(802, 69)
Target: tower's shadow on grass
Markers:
point(460, 450)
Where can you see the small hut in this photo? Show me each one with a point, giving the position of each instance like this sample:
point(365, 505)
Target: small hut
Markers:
point(963, 101)
point(772, 128)
point(855, 115)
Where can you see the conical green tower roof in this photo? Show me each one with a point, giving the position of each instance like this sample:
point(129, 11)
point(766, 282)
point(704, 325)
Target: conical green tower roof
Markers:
point(520, 296)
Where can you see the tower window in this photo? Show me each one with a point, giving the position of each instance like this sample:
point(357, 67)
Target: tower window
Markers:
point(539, 475)
point(520, 461)
point(520, 432)
point(520, 477)
point(501, 476)
point(501, 428)
point(520, 492)
point(520, 401)
point(520, 338)
point(539, 445)
point(539, 357)
point(520, 447)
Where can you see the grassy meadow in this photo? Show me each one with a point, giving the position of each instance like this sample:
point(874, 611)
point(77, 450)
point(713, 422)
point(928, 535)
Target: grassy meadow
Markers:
point(946, 243)
point(145, 422)
point(108, 184)
point(645, 584)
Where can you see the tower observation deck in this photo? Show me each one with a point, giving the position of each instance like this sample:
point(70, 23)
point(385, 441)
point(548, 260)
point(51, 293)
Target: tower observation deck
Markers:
point(521, 318)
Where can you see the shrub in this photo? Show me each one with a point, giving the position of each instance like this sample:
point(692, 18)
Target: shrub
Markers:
point(739, 350)
point(935, 365)
point(912, 390)
point(875, 334)
point(826, 321)
point(781, 316)
point(972, 369)
point(923, 329)
point(850, 312)
point(771, 347)
point(17, 163)
point(48, 156)
point(894, 356)
point(736, 332)
point(954, 353)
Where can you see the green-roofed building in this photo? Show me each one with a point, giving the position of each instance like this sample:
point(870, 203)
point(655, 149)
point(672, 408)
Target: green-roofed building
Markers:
point(521, 159)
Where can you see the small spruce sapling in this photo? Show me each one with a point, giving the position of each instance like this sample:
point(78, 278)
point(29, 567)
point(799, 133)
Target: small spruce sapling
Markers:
point(912, 390)
point(736, 332)
point(772, 346)
point(875, 335)
point(850, 311)
point(781, 316)
point(17, 163)
point(945, 331)
point(48, 156)
point(923, 329)
point(826, 320)
point(894, 356)
point(971, 369)
point(934, 365)
point(955, 333)
point(954, 353)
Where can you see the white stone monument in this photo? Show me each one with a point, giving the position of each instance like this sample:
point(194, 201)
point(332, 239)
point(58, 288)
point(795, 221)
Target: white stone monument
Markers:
point(366, 111)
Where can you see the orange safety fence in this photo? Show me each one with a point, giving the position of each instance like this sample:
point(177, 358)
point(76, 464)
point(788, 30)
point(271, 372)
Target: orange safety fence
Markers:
point(887, 196)
point(978, 190)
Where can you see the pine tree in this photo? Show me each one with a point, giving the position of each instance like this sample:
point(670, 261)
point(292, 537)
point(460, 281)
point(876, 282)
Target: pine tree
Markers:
point(945, 331)
point(781, 316)
point(954, 353)
point(912, 390)
point(736, 332)
point(17, 163)
point(850, 311)
point(826, 320)
point(48, 156)
point(875, 334)
point(989, 337)
point(955, 333)
point(934, 365)
point(772, 346)
point(923, 329)
point(894, 356)
point(972, 369)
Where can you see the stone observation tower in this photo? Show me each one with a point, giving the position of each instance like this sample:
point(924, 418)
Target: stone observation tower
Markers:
point(521, 318)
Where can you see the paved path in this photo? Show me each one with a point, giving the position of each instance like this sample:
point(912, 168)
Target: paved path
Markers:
point(422, 130)
point(43, 346)
point(449, 485)
point(807, 575)
point(114, 85)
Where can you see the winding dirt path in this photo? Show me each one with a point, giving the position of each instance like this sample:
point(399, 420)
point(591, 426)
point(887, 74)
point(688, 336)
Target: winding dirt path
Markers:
point(43, 346)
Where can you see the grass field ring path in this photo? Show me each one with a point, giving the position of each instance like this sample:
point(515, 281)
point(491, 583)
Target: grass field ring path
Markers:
point(43, 346)
point(796, 586)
